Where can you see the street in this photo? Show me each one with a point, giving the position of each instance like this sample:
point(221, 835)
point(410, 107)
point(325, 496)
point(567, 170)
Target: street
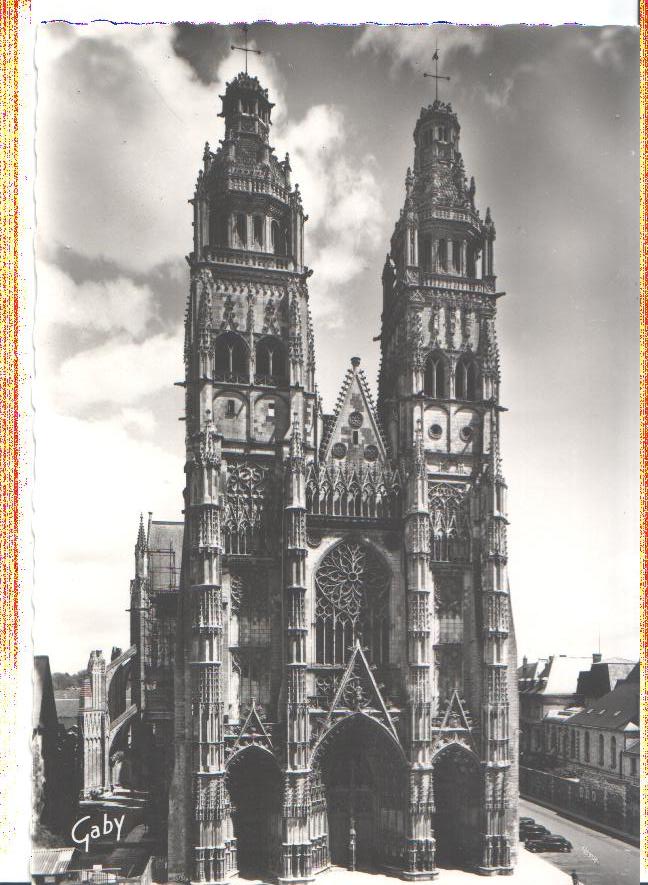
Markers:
point(598, 859)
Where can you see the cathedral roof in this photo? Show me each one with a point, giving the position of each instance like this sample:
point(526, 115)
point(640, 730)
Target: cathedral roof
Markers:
point(354, 412)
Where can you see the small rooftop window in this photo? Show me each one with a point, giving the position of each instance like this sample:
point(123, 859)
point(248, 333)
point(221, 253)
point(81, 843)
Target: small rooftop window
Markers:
point(601, 712)
point(618, 713)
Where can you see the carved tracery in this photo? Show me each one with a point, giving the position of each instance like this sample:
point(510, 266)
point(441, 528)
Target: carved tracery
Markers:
point(352, 597)
point(246, 511)
point(449, 523)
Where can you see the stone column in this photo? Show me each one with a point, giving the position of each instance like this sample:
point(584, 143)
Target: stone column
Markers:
point(420, 842)
point(94, 727)
point(296, 864)
point(495, 719)
point(212, 842)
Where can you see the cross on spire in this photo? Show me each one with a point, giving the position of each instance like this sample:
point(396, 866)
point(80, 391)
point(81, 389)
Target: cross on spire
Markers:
point(436, 75)
point(245, 48)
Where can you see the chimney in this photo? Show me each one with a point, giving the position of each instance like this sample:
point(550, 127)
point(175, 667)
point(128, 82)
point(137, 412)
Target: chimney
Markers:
point(597, 657)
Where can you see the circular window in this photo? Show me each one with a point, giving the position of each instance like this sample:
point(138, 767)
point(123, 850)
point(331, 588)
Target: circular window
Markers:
point(435, 431)
point(339, 450)
point(371, 453)
point(355, 419)
point(466, 433)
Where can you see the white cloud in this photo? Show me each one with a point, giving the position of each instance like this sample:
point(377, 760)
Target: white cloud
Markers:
point(93, 479)
point(119, 372)
point(343, 200)
point(121, 127)
point(414, 44)
point(117, 304)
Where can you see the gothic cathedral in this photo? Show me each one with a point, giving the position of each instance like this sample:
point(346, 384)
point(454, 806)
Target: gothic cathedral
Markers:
point(344, 678)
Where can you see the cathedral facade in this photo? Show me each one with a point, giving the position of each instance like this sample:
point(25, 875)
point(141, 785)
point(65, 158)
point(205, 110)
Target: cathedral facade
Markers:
point(340, 672)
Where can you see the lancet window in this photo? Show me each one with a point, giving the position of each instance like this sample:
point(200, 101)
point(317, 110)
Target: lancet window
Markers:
point(449, 523)
point(231, 359)
point(270, 362)
point(352, 602)
point(277, 238)
point(240, 231)
point(435, 382)
point(466, 378)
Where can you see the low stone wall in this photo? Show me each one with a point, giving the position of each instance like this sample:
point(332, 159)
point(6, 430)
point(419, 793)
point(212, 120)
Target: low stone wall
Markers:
point(614, 805)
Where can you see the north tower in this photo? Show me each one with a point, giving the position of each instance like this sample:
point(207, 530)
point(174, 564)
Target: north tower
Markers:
point(344, 676)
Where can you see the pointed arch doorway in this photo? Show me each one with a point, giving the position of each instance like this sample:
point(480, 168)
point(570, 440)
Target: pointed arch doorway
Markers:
point(254, 782)
point(457, 798)
point(365, 778)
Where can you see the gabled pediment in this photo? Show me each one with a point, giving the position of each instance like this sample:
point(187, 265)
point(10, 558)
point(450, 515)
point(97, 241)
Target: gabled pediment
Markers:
point(358, 691)
point(253, 730)
point(454, 722)
point(353, 434)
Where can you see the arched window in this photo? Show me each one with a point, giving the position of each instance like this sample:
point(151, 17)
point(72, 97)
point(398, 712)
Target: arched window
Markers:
point(231, 359)
point(466, 379)
point(217, 229)
point(425, 253)
point(443, 255)
point(572, 748)
point(435, 382)
point(587, 746)
point(613, 753)
point(449, 523)
point(601, 750)
point(257, 230)
point(277, 239)
point(351, 603)
point(271, 368)
point(240, 231)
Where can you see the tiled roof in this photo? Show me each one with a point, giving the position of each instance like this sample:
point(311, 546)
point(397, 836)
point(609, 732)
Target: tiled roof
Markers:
point(67, 709)
point(603, 676)
point(50, 861)
point(615, 710)
point(559, 676)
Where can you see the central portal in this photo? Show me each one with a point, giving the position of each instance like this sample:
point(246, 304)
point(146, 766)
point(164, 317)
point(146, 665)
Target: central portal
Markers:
point(365, 780)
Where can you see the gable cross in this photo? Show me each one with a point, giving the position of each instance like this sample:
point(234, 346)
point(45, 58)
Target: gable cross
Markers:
point(245, 48)
point(436, 76)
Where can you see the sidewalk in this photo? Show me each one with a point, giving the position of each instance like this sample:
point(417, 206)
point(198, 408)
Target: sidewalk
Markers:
point(531, 870)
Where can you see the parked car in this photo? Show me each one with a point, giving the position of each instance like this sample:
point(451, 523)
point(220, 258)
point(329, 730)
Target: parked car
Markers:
point(532, 831)
point(548, 842)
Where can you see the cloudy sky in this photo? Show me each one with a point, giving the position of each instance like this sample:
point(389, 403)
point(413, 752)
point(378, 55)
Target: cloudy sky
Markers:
point(550, 131)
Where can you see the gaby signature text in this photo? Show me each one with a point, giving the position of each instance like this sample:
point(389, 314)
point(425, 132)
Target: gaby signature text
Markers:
point(83, 835)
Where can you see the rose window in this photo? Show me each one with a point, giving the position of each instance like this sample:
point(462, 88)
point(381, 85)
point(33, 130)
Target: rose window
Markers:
point(352, 599)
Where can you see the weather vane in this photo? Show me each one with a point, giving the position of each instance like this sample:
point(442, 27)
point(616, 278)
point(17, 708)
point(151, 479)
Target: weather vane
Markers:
point(245, 48)
point(436, 75)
